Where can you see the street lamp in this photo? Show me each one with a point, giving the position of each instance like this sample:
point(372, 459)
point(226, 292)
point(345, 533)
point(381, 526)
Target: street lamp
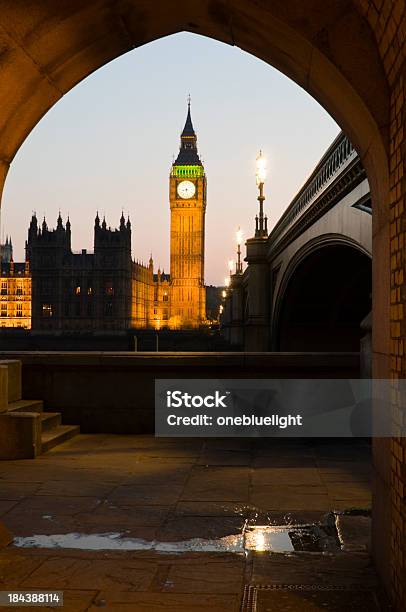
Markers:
point(261, 222)
point(238, 266)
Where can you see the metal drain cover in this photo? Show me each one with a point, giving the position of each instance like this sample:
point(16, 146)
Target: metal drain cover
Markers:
point(308, 598)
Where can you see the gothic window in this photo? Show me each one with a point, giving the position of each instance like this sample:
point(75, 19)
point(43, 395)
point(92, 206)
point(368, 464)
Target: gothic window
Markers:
point(3, 310)
point(47, 310)
point(108, 309)
point(77, 309)
point(165, 298)
point(77, 290)
point(3, 287)
point(19, 290)
point(19, 310)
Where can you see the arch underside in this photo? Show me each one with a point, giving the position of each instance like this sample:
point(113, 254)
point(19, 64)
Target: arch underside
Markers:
point(47, 47)
point(324, 298)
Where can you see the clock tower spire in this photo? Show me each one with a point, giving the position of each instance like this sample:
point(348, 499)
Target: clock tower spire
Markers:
point(187, 196)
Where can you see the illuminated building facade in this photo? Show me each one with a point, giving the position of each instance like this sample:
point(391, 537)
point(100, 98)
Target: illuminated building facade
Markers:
point(15, 295)
point(187, 195)
point(102, 290)
point(106, 289)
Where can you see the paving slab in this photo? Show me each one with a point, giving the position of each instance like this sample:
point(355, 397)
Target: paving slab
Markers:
point(217, 483)
point(178, 528)
point(73, 573)
point(281, 476)
point(6, 505)
point(161, 489)
point(14, 490)
point(146, 495)
point(68, 488)
point(288, 497)
point(167, 602)
point(15, 566)
point(206, 576)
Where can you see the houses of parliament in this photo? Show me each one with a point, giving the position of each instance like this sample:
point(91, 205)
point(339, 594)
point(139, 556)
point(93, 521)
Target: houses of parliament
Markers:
point(58, 289)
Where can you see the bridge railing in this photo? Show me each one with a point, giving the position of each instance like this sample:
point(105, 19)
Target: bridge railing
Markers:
point(334, 162)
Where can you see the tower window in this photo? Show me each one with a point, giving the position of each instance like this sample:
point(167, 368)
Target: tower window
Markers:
point(77, 290)
point(47, 310)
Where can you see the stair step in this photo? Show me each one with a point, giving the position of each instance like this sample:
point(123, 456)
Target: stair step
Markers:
point(56, 436)
point(26, 406)
point(49, 420)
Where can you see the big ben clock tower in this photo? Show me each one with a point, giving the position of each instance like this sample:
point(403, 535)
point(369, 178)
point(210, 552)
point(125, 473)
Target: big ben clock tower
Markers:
point(187, 195)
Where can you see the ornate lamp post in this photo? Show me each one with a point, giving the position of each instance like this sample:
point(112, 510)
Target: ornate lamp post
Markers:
point(238, 265)
point(261, 221)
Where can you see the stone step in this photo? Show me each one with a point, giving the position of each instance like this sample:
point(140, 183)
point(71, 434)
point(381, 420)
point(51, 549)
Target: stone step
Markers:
point(49, 420)
point(26, 406)
point(57, 435)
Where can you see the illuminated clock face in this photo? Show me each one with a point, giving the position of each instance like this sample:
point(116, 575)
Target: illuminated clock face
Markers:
point(186, 190)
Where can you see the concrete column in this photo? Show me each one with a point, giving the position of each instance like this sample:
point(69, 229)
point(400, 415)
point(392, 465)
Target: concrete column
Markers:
point(257, 329)
point(236, 303)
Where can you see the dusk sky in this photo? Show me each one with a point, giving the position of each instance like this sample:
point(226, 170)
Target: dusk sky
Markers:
point(108, 145)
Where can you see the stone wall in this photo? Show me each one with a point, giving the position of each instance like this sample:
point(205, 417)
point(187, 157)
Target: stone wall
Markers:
point(387, 19)
point(114, 392)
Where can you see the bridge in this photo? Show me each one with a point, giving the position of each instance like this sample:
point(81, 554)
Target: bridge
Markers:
point(307, 285)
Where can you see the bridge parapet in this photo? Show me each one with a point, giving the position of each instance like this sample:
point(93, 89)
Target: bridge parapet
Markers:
point(336, 173)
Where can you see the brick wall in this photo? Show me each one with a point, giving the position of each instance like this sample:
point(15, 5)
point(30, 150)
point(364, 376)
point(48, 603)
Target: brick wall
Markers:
point(388, 21)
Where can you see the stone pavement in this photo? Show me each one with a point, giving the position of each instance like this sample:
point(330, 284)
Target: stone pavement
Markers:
point(171, 490)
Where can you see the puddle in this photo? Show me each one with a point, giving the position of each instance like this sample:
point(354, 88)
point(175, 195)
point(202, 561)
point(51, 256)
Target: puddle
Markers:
point(277, 539)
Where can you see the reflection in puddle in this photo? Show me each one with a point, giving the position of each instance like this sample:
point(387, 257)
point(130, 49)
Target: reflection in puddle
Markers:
point(260, 539)
point(272, 539)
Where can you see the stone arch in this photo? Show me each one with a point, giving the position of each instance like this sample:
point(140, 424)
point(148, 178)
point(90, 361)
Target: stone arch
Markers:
point(348, 55)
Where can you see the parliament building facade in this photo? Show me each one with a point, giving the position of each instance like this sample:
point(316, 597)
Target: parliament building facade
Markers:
point(107, 289)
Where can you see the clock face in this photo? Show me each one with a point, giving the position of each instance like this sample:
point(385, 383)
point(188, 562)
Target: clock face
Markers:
point(186, 190)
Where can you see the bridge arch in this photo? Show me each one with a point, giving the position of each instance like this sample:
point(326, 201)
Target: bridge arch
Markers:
point(323, 296)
